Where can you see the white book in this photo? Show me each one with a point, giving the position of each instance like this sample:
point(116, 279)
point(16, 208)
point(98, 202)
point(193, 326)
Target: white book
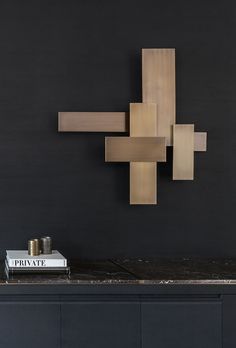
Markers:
point(21, 259)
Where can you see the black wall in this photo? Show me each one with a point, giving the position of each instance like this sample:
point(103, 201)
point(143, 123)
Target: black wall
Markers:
point(86, 56)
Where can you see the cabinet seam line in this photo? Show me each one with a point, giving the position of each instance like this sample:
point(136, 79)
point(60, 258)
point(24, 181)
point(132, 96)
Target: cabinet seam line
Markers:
point(141, 325)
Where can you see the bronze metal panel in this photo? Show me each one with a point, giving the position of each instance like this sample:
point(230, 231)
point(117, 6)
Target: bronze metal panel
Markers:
point(200, 141)
point(158, 85)
point(93, 122)
point(143, 183)
point(143, 175)
point(143, 120)
point(135, 149)
point(183, 152)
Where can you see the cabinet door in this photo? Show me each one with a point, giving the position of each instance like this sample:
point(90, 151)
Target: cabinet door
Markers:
point(100, 325)
point(229, 321)
point(25, 325)
point(181, 325)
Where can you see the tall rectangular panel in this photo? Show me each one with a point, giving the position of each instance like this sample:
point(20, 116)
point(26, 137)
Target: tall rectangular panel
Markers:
point(143, 123)
point(229, 315)
point(100, 325)
point(158, 84)
point(143, 183)
point(183, 152)
point(29, 324)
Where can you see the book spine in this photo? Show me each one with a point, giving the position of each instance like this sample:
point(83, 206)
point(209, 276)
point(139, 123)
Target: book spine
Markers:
point(36, 263)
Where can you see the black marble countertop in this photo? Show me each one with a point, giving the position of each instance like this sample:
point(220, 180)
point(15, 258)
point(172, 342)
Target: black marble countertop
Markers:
point(135, 271)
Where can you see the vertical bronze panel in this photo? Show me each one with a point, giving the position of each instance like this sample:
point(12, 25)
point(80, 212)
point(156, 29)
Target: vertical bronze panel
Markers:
point(183, 152)
point(158, 84)
point(143, 120)
point(143, 123)
point(143, 183)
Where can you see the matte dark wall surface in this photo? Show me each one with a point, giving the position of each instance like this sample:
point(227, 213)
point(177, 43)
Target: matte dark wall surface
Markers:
point(86, 56)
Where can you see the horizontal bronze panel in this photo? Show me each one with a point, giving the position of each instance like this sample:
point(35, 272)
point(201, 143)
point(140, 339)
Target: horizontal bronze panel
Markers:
point(135, 149)
point(200, 141)
point(93, 122)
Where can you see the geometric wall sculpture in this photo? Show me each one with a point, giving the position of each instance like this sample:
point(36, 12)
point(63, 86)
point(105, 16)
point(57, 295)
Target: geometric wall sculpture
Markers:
point(151, 126)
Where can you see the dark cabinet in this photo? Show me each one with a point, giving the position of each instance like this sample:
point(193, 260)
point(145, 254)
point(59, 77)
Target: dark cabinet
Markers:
point(181, 324)
point(105, 322)
point(29, 325)
point(229, 321)
point(100, 325)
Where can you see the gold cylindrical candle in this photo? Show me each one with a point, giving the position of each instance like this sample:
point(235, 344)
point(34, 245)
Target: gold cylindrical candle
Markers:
point(34, 247)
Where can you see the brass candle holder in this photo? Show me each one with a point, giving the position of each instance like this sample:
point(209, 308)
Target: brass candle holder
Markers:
point(34, 247)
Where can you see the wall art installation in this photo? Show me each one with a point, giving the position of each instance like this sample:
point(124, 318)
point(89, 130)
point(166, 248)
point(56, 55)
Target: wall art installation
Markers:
point(151, 126)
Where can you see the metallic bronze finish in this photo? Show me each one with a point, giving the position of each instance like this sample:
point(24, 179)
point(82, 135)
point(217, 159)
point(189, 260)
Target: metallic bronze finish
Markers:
point(33, 247)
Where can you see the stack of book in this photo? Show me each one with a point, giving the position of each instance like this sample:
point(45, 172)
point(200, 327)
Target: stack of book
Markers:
point(18, 261)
